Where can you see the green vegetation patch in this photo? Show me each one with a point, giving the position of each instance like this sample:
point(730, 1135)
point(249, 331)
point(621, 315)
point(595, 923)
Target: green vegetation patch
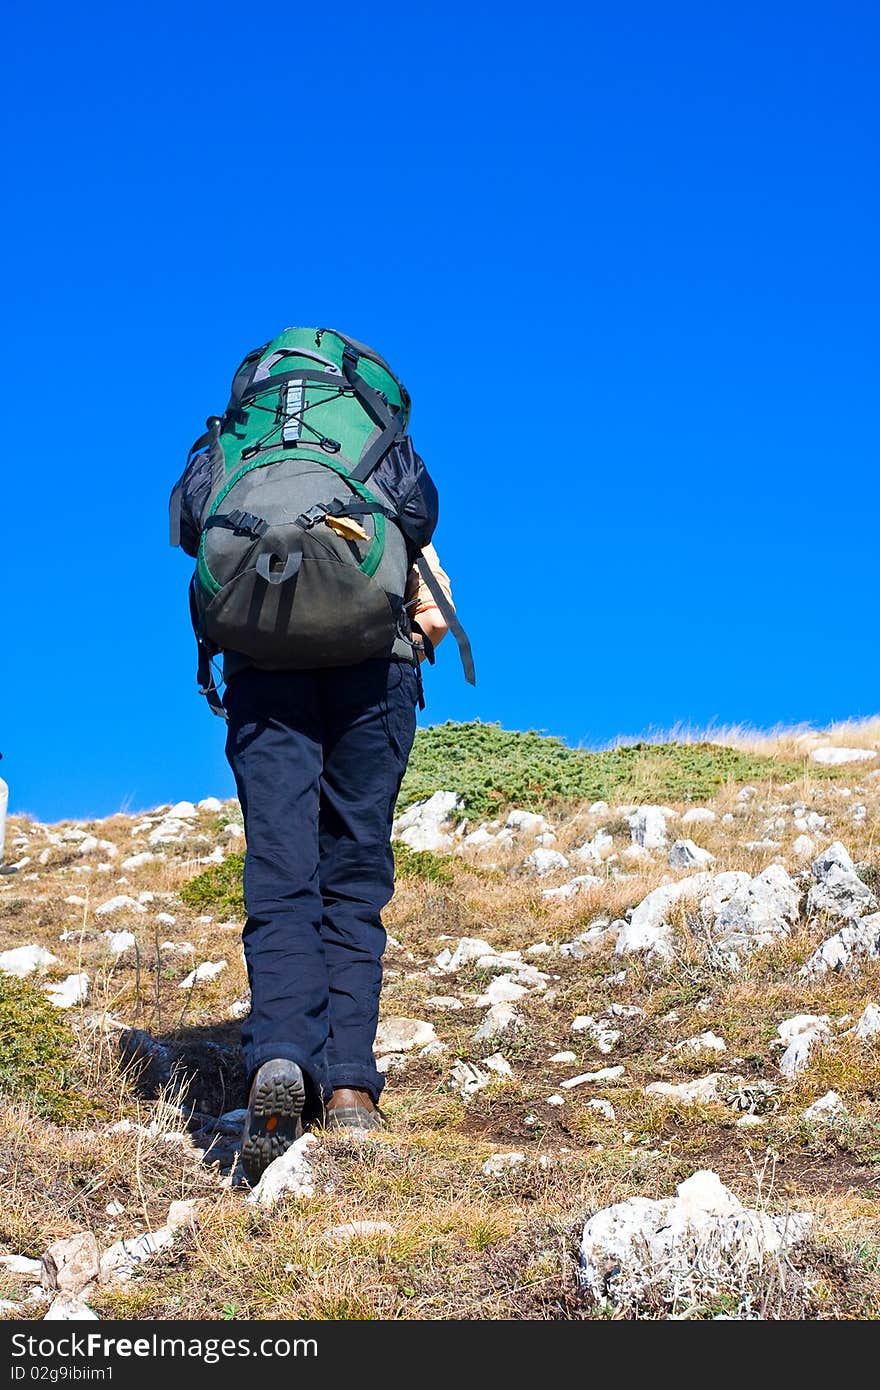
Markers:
point(218, 889)
point(36, 1051)
point(418, 863)
point(493, 768)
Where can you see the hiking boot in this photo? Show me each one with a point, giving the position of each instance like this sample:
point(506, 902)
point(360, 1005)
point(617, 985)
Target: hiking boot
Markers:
point(275, 1105)
point(350, 1109)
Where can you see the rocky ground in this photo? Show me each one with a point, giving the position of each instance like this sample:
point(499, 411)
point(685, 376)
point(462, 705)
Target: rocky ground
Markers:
point(633, 1061)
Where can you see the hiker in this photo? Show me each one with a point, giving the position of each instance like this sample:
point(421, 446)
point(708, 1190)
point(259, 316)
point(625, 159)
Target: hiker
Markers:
point(311, 516)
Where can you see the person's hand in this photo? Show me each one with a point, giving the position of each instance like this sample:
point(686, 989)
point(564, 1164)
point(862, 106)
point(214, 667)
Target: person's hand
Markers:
point(430, 620)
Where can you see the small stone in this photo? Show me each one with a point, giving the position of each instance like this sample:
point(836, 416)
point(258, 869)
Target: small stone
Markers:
point(567, 1057)
point(686, 855)
point(799, 1035)
point(603, 1074)
point(698, 815)
point(68, 1308)
point(444, 1002)
point(556, 1100)
point(703, 1090)
point(208, 970)
point(546, 861)
point(72, 991)
point(703, 1042)
point(825, 1108)
point(118, 941)
point(210, 803)
point(499, 1018)
point(291, 1174)
point(836, 757)
point(22, 961)
point(501, 1163)
point(868, 1025)
point(137, 861)
point(403, 1034)
point(22, 1268)
point(121, 903)
point(604, 1107)
point(71, 1263)
point(498, 1064)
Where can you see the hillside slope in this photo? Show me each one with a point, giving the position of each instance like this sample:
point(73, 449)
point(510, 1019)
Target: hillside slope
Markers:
point(568, 930)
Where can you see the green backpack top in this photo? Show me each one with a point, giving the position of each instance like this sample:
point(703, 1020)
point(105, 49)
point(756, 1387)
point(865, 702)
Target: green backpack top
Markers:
point(305, 507)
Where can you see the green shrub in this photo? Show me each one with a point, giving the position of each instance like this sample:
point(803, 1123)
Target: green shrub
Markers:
point(419, 863)
point(36, 1051)
point(218, 889)
point(493, 768)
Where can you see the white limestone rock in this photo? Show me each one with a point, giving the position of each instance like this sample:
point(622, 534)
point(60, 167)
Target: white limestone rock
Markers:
point(68, 1265)
point(503, 989)
point(594, 851)
point(72, 991)
point(837, 890)
point(580, 884)
point(703, 1042)
point(757, 913)
point(545, 861)
point(527, 823)
point(684, 1248)
point(700, 1092)
point(121, 903)
point(468, 950)
point(684, 854)
point(424, 826)
point(848, 947)
point(499, 1019)
point(291, 1175)
point(826, 1108)
point(208, 970)
point(68, 1308)
point(403, 1034)
point(118, 941)
point(868, 1025)
point(210, 803)
point(137, 861)
point(20, 1267)
point(698, 815)
point(585, 1078)
point(501, 1163)
point(648, 929)
point(799, 1036)
point(836, 757)
point(22, 961)
point(648, 827)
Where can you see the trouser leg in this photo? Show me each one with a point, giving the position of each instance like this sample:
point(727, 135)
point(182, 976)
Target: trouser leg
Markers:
point(274, 749)
point(369, 726)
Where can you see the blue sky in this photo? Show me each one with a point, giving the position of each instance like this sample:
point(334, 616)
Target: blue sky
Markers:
point(625, 259)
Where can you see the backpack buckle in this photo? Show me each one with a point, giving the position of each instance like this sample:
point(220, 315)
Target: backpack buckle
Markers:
point(312, 516)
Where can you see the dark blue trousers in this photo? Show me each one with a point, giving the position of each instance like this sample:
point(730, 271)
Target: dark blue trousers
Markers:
point(318, 757)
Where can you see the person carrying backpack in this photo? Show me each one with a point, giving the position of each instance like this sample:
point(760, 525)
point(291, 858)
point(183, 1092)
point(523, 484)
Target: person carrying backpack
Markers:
point(310, 517)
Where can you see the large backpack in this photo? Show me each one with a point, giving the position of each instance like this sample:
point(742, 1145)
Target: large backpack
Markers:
point(305, 506)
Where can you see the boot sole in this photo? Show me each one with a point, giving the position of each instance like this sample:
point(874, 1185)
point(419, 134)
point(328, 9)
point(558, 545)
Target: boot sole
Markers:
point(273, 1121)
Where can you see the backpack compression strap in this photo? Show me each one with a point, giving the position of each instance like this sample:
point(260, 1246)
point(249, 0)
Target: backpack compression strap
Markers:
point(378, 411)
point(204, 673)
point(451, 617)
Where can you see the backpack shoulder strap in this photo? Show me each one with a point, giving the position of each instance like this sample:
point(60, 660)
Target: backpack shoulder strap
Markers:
point(451, 618)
